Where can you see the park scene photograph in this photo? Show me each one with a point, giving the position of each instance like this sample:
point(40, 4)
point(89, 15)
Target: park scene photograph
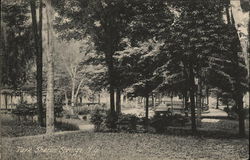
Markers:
point(124, 79)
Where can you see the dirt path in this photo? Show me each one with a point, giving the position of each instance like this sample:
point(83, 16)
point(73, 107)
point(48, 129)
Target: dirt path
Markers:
point(215, 113)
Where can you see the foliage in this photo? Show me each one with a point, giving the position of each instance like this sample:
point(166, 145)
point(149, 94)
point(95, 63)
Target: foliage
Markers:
point(84, 112)
point(24, 109)
point(107, 121)
point(108, 23)
point(16, 43)
point(161, 122)
point(141, 61)
point(97, 118)
point(74, 73)
point(13, 127)
point(111, 120)
point(127, 122)
point(233, 112)
point(201, 45)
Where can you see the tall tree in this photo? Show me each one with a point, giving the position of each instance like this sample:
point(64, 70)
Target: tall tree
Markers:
point(50, 70)
point(237, 87)
point(245, 6)
point(38, 45)
point(1, 42)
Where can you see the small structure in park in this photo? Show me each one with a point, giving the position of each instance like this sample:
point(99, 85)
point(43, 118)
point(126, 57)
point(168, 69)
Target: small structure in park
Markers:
point(10, 98)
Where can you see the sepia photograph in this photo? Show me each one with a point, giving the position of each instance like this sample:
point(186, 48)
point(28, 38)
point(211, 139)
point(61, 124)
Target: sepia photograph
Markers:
point(124, 79)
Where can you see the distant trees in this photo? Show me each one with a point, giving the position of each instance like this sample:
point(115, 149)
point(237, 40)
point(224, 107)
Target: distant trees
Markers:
point(71, 66)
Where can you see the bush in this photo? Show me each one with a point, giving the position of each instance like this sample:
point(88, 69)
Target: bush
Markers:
point(233, 113)
point(24, 109)
point(127, 122)
point(108, 121)
point(85, 111)
point(97, 118)
point(226, 109)
point(160, 122)
point(111, 121)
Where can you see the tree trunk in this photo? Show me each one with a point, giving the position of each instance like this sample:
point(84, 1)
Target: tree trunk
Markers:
point(227, 104)
point(112, 99)
point(21, 97)
point(185, 73)
point(125, 99)
point(99, 98)
point(109, 61)
point(6, 101)
point(153, 104)
point(245, 5)
point(207, 94)
point(199, 92)
point(241, 113)
point(249, 60)
point(217, 102)
point(80, 100)
point(160, 98)
point(192, 97)
point(37, 33)
point(50, 72)
point(73, 93)
point(172, 105)
point(146, 110)
point(1, 52)
point(66, 99)
point(202, 103)
point(118, 101)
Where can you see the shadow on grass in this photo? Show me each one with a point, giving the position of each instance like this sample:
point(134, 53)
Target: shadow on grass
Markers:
point(212, 128)
point(12, 126)
point(65, 126)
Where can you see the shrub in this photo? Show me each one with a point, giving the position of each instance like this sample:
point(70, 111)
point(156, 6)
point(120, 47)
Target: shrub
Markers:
point(179, 120)
point(84, 112)
point(233, 112)
point(24, 109)
point(160, 122)
point(111, 120)
point(226, 109)
point(67, 116)
point(97, 118)
point(127, 122)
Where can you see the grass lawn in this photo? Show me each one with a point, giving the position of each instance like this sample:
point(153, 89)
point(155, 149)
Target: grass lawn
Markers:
point(118, 146)
point(11, 126)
